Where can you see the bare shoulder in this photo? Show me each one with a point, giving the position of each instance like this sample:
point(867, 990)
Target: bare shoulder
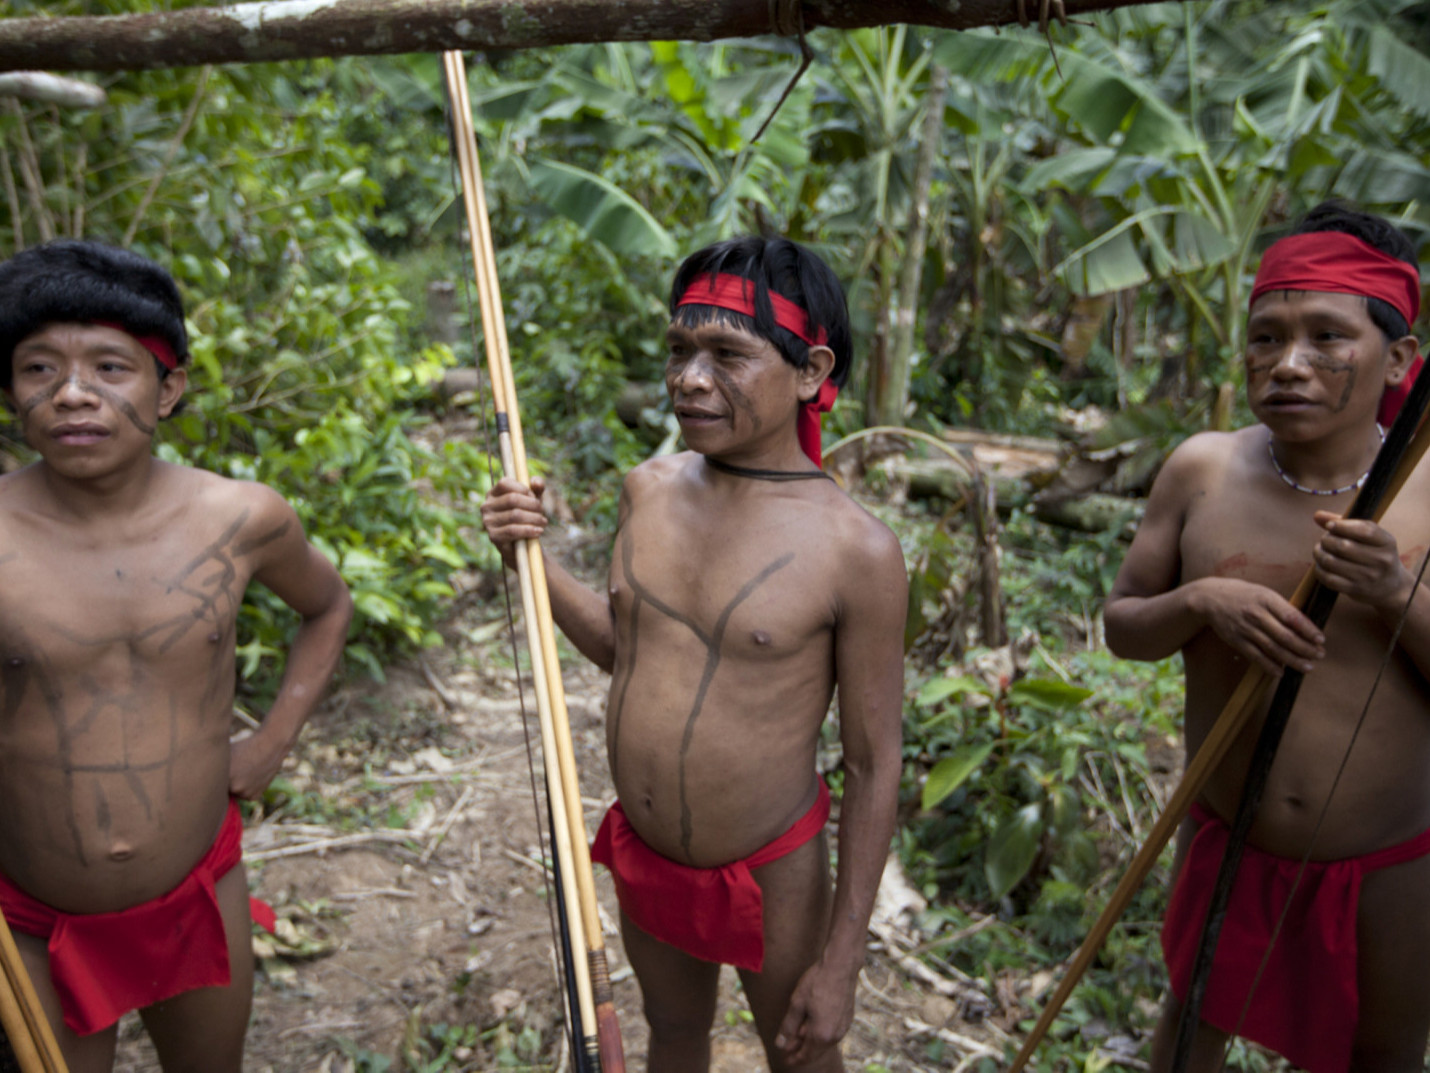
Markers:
point(1205, 452)
point(661, 469)
point(244, 518)
point(255, 503)
point(655, 475)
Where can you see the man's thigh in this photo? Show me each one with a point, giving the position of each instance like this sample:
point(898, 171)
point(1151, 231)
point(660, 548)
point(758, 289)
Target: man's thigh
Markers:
point(202, 1031)
point(1393, 941)
point(83, 1054)
point(678, 991)
point(797, 904)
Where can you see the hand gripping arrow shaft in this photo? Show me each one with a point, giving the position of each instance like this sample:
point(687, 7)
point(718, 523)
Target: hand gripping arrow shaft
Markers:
point(1243, 704)
point(602, 1050)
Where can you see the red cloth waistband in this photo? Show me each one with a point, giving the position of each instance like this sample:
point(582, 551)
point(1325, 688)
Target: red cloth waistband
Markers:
point(715, 914)
point(1342, 264)
point(103, 965)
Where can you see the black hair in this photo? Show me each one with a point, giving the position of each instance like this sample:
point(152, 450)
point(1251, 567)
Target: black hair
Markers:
point(787, 269)
point(80, 282)
point(1336, 215)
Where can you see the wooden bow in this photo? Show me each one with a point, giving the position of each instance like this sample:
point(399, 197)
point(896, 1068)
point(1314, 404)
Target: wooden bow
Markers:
point(593, 1014)
point(1402, 451)
point(21, 1016)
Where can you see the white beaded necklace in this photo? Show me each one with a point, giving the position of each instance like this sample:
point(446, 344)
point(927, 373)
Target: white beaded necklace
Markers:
point(1291, 481)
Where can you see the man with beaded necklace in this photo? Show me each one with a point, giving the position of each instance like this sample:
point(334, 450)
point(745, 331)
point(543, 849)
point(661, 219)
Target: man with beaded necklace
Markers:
point(1233, 521)
point(744, 586)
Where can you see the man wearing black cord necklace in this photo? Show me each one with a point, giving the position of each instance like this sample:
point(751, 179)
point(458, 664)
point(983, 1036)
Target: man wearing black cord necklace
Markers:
point(1325, 965)
point(744, 587)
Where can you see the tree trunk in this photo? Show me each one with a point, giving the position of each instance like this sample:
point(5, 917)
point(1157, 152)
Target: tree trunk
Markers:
point(890, 397)
point(304, 29)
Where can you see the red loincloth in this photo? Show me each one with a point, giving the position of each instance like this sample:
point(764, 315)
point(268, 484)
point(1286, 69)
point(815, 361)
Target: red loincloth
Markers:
point(715, 914)
point(105, 964)
point(1306, 1003)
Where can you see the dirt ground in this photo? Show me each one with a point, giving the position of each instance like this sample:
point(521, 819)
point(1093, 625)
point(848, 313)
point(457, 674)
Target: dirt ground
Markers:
point(414, 929)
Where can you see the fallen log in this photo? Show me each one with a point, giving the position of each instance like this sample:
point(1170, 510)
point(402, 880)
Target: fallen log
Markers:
point(307, 29)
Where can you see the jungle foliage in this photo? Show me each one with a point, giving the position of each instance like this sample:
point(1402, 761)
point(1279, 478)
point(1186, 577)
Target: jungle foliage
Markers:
point(1078, 232)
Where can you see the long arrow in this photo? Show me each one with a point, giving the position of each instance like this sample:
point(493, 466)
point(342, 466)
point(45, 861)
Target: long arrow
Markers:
point(600, 1047)
point(1382, 482)
point(1243, 704)
point(21, 1016)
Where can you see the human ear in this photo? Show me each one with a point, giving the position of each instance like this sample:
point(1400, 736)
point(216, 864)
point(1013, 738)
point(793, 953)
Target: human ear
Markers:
point(1400, 355)
point(171, 389)
point(816, 371)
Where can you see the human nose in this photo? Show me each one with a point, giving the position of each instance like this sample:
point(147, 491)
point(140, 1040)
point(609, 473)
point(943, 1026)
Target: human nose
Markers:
point(73, 392)
point(1294, 361)
point(692, 376)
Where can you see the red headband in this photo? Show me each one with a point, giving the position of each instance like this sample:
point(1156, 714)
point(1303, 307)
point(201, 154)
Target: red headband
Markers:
point(737, 294)
point(1340, 263)
point(152, 343)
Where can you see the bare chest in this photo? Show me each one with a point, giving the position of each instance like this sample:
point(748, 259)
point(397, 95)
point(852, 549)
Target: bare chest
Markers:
point(758, 593)
point(73, 604)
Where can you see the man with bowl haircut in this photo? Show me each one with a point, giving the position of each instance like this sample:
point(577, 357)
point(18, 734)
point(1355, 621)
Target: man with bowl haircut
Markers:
point(121, 578)
point(744, 587)
point(1233, 521)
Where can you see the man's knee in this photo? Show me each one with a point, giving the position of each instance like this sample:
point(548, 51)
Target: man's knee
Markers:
point(676, 1023)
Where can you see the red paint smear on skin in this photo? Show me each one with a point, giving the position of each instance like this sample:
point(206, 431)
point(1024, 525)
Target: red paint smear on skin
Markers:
point(1265, 573)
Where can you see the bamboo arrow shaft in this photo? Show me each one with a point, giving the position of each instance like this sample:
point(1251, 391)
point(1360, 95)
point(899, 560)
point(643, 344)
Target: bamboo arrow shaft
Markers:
point(1245, 702)
point(597, 1008)
point(24, 1021)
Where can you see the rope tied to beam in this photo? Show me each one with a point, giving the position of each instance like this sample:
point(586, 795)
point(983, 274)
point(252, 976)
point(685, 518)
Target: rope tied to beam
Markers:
point(786, 18)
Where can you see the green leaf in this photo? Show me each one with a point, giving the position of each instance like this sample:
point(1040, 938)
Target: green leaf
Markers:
point(601, 209)
point(1108, 263)
point(950, 772)
point(1048, 694)
point(1012, 849)
point(937, 689)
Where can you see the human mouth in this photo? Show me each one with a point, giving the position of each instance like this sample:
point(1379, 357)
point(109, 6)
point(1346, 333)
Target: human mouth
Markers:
point(696, 418)
point(79, 435)
point(1286, 401)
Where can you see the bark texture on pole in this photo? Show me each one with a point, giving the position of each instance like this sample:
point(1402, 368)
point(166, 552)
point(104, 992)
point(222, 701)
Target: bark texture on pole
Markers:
point(39, 86)
point(304, 29)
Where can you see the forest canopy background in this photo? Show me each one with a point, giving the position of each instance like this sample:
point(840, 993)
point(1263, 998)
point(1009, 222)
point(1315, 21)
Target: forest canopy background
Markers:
point(1026, 234)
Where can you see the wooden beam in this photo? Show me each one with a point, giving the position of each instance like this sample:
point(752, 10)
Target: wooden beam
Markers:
point(305, 29)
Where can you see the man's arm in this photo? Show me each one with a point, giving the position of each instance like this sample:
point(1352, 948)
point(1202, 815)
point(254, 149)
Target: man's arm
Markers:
point(1148, 615)
point(302, 577)
point(869, 666)
point(512, 512)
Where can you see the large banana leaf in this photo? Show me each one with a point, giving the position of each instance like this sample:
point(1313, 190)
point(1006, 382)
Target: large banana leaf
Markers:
point(1109, 103)
point(604, 211)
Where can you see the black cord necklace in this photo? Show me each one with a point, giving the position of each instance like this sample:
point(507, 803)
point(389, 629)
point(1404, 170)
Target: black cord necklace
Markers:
point(767, 474)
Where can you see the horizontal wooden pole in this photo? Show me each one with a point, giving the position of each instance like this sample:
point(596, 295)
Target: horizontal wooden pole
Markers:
point(305, 29)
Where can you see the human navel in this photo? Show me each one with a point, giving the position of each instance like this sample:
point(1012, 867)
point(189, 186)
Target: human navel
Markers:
point(761, 638)
point(121, 851)
point(214, 638)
